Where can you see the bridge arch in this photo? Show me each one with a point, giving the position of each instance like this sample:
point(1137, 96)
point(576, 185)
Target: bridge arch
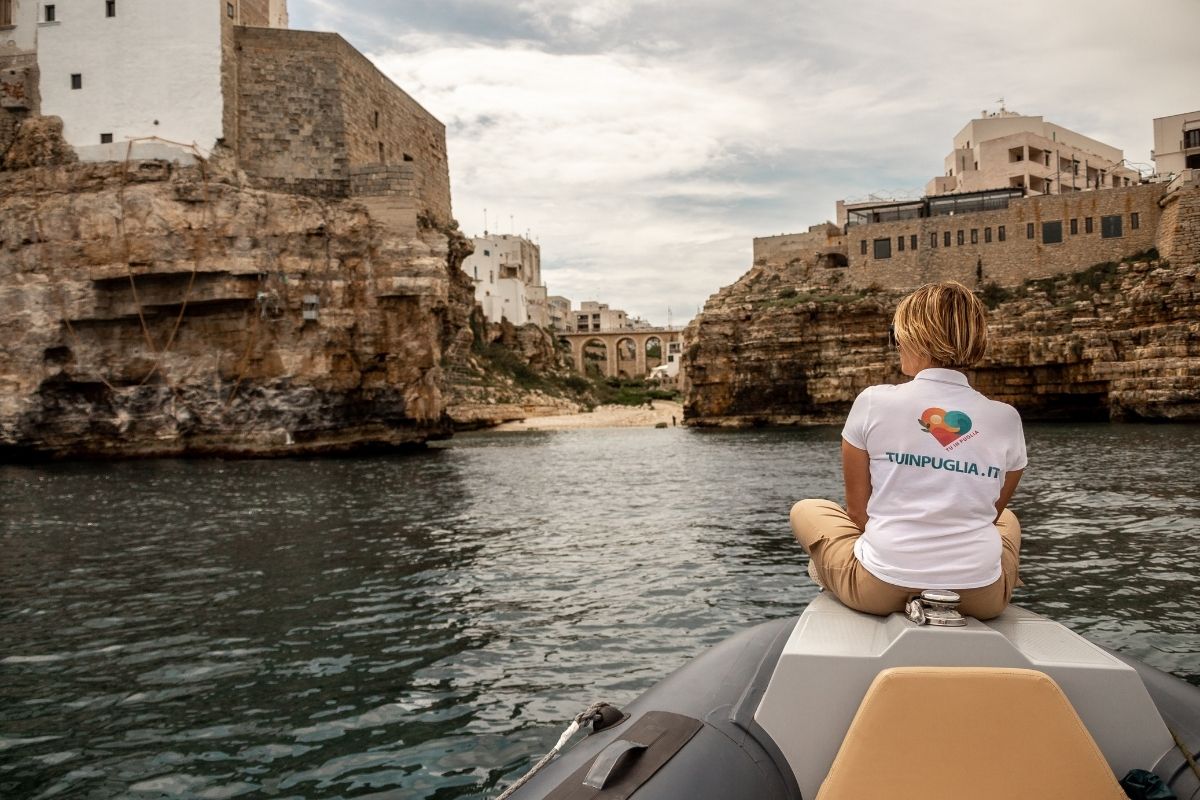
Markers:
point(595, 356)
point(653, 350)
point(627, 357)
point(600, 350)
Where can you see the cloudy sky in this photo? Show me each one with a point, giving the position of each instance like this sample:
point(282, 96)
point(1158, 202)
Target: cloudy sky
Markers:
point(644, 143)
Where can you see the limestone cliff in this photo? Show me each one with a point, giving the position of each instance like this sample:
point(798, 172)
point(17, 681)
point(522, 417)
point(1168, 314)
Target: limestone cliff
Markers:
point(1117, 341)
point(512, 373)
point(151, 309)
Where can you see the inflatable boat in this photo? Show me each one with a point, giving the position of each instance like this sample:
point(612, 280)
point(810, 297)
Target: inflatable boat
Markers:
point(837, 704)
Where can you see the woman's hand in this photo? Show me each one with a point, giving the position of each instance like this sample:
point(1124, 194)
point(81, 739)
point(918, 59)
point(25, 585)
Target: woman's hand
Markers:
point(1011, 479)
point(856, 472)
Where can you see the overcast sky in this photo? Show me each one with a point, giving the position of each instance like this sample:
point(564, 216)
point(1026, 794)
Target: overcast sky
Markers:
point(644, 143)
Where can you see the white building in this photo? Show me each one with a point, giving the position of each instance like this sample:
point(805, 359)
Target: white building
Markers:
point(1004, 149)
point(1176, 143)
point(594, 317)
point(559, 309)
point(122, 70)
point(19, 20)
point(668, 371)
point(507, 272)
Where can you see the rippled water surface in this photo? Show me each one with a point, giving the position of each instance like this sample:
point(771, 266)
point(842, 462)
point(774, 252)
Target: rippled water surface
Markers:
point(424, 626)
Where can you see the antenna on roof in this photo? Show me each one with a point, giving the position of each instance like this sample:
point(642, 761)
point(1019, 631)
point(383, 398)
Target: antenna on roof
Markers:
point(485, 222)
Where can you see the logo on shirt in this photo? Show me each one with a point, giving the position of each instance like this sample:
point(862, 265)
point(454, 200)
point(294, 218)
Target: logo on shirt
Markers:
point(946, 426)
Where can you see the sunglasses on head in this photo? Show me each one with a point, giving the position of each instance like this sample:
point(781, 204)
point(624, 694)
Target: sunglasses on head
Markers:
point(892, 336)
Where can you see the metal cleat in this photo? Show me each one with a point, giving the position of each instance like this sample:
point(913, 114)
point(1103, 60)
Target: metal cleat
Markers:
point(937, 607)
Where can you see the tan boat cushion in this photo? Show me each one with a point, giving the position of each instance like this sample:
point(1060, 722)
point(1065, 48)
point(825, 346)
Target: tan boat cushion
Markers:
point(934, 733)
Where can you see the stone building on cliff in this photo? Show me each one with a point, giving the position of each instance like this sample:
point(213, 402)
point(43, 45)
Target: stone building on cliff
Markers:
point(217, 236)
point(1004, 149)
point(507, 272)
point(993, 224)
point(300, 111)
point(1176, 143)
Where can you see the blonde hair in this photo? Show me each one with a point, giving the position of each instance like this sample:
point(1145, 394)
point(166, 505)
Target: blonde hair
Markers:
point(944, 321)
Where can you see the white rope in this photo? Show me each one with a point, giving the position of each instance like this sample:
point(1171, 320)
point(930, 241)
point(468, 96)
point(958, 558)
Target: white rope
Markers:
point(580, 720)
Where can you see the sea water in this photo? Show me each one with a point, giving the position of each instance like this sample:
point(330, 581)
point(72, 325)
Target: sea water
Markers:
point(424, 626)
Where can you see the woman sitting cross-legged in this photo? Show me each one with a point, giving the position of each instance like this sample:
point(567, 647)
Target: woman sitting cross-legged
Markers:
point(929, 467)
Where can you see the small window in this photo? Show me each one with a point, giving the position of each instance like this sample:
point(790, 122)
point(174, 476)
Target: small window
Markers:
point(110, 8)
point(6, 13)
point(1052, 232)
point(1087, 224)
point(1191, 139)
point(106, 138)
point(946, 239)
point(381, 158)
point(1000, 233)
point(1028, 230)
point(900, 244)
point(1074, 226)
point(962, 238)
point(987, 235)
point(974, 235)
point(1134, 221)
point(76, 81)
point(862, 247)
point(229, 10)
point(407, 157)
point(912, 241)
point(376, 119)
point(1110, 227)
point(933, 239)
point(49, 13)
point(883, 248)
point(487, 252)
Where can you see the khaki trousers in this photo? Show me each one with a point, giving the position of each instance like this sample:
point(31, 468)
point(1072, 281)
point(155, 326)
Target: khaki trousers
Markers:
point(828, 535)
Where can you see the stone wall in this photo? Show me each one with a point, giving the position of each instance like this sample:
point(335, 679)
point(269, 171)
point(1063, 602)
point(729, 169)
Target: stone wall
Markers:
point(385, 179)
point(229, 78)
point(995, 246)
point(1018, 257)
point(289, 106)
point(254, 13)
point(19, 84)
point(377, 112)
point(1179, 226)
point(311, 107)
point(823, 239)
point(19, 96)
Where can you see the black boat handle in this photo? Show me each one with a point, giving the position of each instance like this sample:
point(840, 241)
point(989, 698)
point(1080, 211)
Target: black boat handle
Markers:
point(606, 763)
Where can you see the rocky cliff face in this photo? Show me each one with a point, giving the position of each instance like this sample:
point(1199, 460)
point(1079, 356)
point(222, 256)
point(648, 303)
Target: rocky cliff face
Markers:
point(149, 309)
point(1117, 341)
point(510, 374)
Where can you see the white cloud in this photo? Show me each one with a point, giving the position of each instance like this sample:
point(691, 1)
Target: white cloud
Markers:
point(645, 143)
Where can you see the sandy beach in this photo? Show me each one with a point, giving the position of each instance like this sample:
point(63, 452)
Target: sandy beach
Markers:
point(602, 417)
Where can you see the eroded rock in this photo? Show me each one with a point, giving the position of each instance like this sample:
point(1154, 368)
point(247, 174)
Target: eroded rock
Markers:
point(160, 310)
point(38, 142)
point(1118, 341)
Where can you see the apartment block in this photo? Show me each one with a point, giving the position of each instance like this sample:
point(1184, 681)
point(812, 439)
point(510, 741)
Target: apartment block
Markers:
point(1004, 149)
point(1176, 143)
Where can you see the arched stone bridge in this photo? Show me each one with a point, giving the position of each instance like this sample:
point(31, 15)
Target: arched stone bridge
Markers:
point(620, 353)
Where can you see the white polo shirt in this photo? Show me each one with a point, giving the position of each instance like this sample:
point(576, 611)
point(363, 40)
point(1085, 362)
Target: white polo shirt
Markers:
point(939, 454)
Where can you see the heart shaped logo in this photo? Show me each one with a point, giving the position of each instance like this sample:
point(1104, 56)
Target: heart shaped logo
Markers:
point(946, 426)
